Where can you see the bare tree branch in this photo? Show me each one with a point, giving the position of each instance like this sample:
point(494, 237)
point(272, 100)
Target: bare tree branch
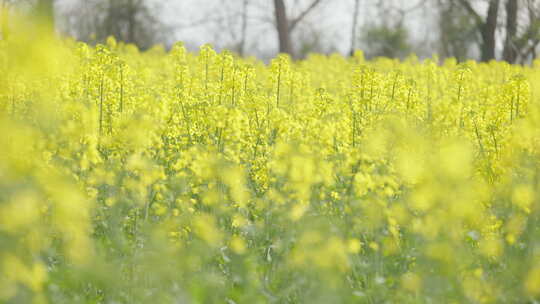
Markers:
point(474, 14)
point(295, 21)
point(354, 25)
point(415, 7)
point(243, 28)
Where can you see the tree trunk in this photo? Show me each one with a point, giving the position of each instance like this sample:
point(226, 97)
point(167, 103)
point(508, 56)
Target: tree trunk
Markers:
point(282, 26)
point(242, 46)
point(488, 31)
point(131, 15)
point(354, 25)
point(510, 49)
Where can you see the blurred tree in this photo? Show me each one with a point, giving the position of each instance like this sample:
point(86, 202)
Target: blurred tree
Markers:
point(243, 33)
point(532, 34)
point(485, 26)
point(386, 40)
point(229, 25)
point(131, 21)
point(310, 38)
point(457, 31)
point(386, 33)
point(284, 26)
point(522, 30)
point(510, 51)
point(354, 26)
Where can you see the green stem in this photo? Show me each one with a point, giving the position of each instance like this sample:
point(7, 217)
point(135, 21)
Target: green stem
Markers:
point(278, 85)
point(101, 105)
point(121, 90)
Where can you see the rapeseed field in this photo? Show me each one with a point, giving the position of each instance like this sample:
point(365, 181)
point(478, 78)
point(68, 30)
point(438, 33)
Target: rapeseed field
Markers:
point(181, 177)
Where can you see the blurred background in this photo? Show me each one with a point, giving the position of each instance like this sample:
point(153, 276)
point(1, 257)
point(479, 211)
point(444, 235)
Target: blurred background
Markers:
point(465, 29)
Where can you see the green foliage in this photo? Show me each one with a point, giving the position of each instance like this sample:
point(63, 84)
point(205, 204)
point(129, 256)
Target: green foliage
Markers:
point(386, 41)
